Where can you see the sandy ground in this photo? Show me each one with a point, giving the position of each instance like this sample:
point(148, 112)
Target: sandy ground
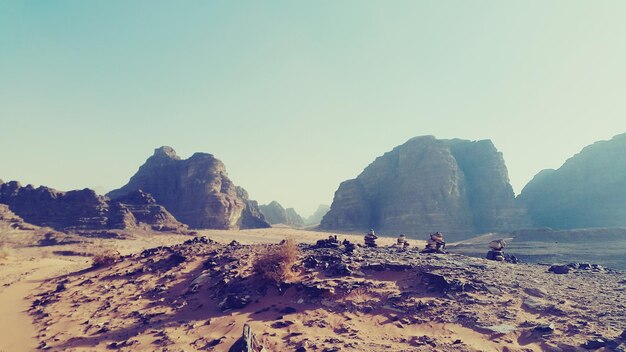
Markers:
point(144, 304)
point(23, 267)
point(21, 273)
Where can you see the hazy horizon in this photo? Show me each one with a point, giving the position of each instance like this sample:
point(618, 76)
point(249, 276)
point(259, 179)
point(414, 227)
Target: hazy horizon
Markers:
point(295, 98)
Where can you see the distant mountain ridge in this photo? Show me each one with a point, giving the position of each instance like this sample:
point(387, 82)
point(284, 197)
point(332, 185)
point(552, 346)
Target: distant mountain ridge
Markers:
point(316, 217)
point(275, 214)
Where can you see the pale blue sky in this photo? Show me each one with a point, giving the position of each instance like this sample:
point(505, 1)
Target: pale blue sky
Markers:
point(296, 97)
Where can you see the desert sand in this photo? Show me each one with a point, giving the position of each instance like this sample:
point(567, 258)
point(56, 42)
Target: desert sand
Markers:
point(173, 298)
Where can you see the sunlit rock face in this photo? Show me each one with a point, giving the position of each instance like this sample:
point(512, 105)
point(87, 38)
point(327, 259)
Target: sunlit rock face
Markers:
point(197, 191)
point(588, 190)
point(455, 186)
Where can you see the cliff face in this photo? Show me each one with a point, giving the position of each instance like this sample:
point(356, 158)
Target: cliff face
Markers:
point(425, 185)
point(197, 191)
point(275, 214)
point(85, 210)
point(588, 190)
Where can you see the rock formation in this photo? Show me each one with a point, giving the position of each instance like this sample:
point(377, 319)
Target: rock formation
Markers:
point(275, 214)
point(43, 206)
point(139, 207)
point(85, 210)
point(9, 217)
point(455, 186)
point(588, 190)
point(197, 191)
point(316, 217)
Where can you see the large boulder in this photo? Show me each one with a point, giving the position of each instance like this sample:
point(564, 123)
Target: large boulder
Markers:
point(455, 186)
point(197, 191)
point(588, 190)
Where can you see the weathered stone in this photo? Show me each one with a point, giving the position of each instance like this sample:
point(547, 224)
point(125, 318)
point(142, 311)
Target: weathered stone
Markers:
point(535, 291)
point(196, 190)
point(499, 329)
point(282, 324)
point(533, 303)
point(234, 301)
point(455, 186)
point(594, 344)
point(544, 329)
point(559, 269)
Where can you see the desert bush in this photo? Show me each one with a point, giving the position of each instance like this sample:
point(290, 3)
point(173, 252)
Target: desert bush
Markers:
point(105, 258)
point(276, 263)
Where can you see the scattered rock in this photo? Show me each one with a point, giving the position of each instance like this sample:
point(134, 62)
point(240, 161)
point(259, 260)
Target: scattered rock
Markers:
point(544, 329)
point(499, 329)
point(234, 301)
point(594, 344)
point(282, 324)
point(535, 291)
point(559, 269)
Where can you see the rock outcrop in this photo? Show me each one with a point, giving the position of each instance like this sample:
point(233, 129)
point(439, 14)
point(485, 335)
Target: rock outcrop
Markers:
point(588, 190)
point(425, 185)
point(197, 191)
point(275, 214)
point(316, 218)
point(85, 210)
point(140, 208)
point(43, 206)
point(9, 217)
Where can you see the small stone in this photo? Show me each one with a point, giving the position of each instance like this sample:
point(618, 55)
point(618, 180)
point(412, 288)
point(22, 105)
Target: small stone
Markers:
point(544, 329)
point(493, 290)
point(535, 291)
point(533, 303)
point(500, 329)
point(594, 344)
point(282, 324)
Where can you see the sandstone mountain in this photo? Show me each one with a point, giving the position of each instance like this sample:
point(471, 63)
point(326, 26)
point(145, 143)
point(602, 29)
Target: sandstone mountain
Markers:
point(316, 218)
point(588, 190)
point(276, 214)
point(84, 209)
point(197, 191)
point(456, 186)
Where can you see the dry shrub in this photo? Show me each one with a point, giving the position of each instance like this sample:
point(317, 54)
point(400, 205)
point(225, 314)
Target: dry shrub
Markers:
point(359, 295)
point(276, 262)
point(106, 258)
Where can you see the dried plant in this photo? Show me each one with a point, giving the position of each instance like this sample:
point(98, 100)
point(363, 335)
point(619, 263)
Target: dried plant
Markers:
point(105, 258)
point(276, 263)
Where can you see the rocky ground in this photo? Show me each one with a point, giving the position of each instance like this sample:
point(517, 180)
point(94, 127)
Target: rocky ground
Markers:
point(198, 295)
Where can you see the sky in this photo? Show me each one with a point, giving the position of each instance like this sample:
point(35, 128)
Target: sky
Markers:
point(297, 96)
